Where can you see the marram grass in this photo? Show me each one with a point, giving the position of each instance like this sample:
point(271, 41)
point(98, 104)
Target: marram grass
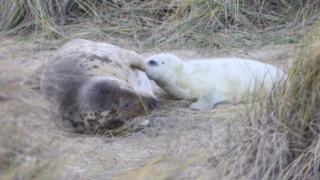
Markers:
point(201, 23)
point(287, 143)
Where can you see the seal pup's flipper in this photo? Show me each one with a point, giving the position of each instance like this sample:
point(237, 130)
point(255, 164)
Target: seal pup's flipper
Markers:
point(208, 101)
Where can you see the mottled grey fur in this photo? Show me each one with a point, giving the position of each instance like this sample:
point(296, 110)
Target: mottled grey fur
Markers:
point(91, 90)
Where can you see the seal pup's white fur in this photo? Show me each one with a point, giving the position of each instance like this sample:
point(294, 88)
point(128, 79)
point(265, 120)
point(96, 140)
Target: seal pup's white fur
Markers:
point(211, 81)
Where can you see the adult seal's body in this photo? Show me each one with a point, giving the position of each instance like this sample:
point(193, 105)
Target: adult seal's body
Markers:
point(95, 86)
point(211, 81)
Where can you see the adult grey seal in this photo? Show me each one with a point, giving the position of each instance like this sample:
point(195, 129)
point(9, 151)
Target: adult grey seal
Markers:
point(95, 86)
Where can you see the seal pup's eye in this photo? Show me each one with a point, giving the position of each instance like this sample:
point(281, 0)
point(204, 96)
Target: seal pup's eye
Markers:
point(153, 63)
point(162, 62)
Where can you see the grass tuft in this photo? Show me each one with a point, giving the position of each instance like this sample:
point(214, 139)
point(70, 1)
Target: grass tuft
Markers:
point(284, 142)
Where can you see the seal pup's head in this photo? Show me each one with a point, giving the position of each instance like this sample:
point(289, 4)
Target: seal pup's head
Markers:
point(164, 66)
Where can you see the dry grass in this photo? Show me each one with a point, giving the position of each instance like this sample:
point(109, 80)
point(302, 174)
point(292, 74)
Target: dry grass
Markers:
point(282, 136)
point(23, 155)
point(204, 23)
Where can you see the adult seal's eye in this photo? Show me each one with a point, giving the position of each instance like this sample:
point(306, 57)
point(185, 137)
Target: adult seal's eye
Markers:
point(153, 63)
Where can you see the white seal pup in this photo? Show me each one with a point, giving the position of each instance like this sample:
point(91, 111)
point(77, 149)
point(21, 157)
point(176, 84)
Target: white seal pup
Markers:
point(211, 81)
point(95, 86)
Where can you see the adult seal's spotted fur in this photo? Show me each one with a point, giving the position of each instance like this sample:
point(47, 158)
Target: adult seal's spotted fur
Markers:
point(96, 86)
point(211, 81)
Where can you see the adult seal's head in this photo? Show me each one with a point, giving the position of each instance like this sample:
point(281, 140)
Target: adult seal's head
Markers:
point(94, 86)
